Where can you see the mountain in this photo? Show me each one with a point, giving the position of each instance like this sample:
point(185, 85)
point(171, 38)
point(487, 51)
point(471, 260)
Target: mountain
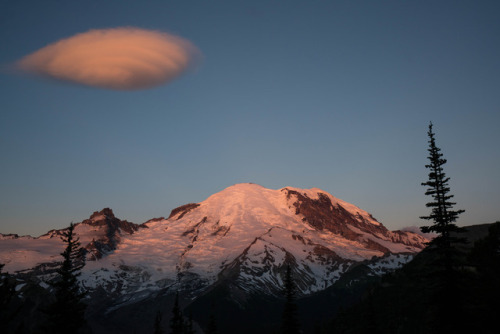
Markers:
point(241, 238)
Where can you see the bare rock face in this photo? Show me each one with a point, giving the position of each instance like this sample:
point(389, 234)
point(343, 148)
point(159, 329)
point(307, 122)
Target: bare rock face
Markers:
point(111, 230)
point(322, 214)
point(8, 236)
point(182, 210)
point(106, 217)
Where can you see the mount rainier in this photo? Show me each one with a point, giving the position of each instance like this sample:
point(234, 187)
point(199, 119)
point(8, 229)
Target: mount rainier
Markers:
point(242, 237)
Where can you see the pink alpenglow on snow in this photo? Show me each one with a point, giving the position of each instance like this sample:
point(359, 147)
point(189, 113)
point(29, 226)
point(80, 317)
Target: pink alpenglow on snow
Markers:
point(246, 232)
point(119, 58)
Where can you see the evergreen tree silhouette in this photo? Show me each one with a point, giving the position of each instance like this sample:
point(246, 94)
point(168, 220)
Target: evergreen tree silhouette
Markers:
point(445, 312)
point(442, 214)
point(212, 325)
point(7, 293)
point(290, 322)
point(188, 325)
point(67, 313)
point(157, 326)
point(176, 322)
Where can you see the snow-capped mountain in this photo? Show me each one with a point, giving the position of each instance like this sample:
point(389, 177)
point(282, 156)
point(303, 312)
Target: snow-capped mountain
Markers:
point(245, 234)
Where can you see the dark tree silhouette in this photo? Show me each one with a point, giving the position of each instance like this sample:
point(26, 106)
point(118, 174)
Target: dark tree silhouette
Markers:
point(485, 257)
point(442, 214)
point(290, 322)
point(212, 325)
point(188, 325)
point(176, 322)
point(7, 292)
point(6, 288)
point(67, 313)
point(157, 327)
point(445, 278)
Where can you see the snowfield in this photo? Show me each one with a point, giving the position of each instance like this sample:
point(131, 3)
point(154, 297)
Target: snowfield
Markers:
point(246, 232)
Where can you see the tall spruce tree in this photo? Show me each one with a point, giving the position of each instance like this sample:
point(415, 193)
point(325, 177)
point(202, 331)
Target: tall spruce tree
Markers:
point(67, 313)
point(290, 322)
point(442, 214)
point(446, 311)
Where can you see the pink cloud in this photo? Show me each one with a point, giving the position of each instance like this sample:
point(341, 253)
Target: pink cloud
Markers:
point(118, 58)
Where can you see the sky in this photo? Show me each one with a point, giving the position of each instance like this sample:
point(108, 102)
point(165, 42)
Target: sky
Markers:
point(336, 95)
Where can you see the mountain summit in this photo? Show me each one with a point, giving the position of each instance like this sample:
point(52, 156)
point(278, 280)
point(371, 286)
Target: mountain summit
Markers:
point(245, 235)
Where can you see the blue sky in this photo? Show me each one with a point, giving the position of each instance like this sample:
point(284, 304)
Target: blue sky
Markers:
point(329, 94)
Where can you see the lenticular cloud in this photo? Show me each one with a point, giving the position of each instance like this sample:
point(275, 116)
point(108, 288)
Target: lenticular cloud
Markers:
point(119, 58)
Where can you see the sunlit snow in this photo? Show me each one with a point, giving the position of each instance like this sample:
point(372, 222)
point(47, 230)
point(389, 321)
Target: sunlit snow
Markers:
point(244, 223)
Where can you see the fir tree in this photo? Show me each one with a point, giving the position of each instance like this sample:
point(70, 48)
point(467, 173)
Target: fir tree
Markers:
point(176, 322)
point(290, 322)
point(157, 327)
point(442, 214)
point(67, 313)
point(445, 306)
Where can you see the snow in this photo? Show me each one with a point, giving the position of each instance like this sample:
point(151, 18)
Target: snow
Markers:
point(416, 230)
point(25, 253)
point(44, 285)
point(386, 242)
point(241, 218)
point(98, 217)
point(390, 263)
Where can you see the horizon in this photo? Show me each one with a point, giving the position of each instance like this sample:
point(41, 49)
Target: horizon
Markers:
point(336, 96)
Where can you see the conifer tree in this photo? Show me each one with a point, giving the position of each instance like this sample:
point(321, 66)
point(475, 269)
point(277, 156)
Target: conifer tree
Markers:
point(446, 305)
point(6, 288)
point(67, 313)
point(7, 292)
point(157, 326)
point(442, 214)
point(290, 322)
point(176, 322)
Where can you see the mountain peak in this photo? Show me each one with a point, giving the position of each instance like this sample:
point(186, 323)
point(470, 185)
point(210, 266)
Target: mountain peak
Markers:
point(105, 231)
point(245, 232)
point(103, 214)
